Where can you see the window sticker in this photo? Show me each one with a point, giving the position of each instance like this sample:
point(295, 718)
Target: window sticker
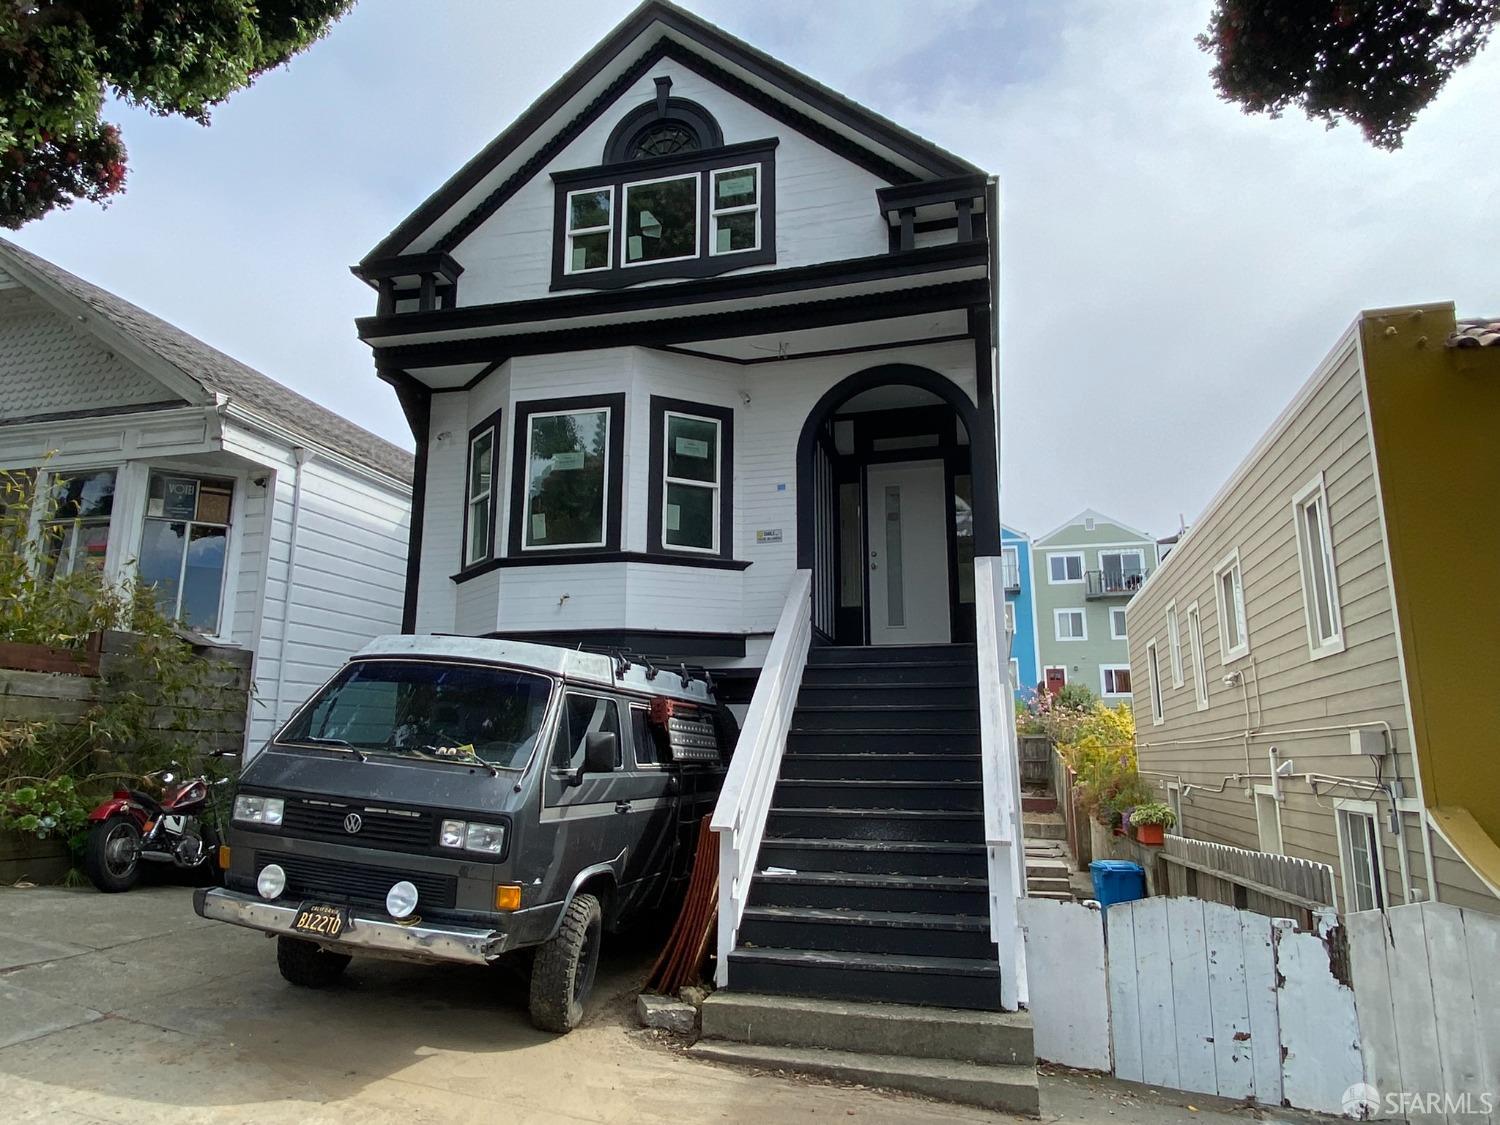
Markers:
point(732, 186)
point(674, 517)
point(691, 447)
point(538, 525)
point(571, 459)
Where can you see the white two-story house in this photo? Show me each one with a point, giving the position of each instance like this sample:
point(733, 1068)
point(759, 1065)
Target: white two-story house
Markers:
point(698, 356)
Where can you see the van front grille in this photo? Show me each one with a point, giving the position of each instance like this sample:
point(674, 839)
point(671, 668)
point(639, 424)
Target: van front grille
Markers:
point(391, 829)
point(338, 881)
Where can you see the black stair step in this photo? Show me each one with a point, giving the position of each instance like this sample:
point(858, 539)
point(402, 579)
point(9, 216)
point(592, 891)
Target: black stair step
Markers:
point(824, 655)
point(891, 857)
point(848, 890)
point(824, 793)
point(891, 672)
point(866, 931)
point(889, 694)
point(803, 765)
point(876, 824)
point(885, 716)
point(946, 982)
point(894, 740)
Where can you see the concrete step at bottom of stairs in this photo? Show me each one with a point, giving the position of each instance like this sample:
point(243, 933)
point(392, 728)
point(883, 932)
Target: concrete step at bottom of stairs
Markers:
point(1006, 1089)
point(1043, 826)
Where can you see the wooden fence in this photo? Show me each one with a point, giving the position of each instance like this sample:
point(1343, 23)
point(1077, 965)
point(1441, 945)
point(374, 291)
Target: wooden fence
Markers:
point(1275, 885)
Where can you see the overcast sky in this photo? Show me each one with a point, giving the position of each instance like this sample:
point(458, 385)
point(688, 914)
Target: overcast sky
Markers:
point(1172, 270)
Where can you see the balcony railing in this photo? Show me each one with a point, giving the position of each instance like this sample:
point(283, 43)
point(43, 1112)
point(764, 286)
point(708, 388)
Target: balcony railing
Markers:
point(1010, 575)
point(1114, 583)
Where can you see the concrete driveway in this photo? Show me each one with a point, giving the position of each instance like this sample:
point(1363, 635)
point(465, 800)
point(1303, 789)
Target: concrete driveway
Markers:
point(131, 1008)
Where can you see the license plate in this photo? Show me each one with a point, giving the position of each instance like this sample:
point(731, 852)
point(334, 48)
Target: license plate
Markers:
point(321, 920)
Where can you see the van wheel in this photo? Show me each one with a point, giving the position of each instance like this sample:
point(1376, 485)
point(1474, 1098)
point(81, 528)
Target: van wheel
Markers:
point(562, 976)
point(305, 963)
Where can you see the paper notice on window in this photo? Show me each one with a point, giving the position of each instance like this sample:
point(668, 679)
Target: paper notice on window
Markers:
point(691, 447)
point(731, 186)
point(674, 517)
point(725, 240)
point(635, 249)
point(154, 506)
point(580, 259)
point(538, 525)
point(570, 460)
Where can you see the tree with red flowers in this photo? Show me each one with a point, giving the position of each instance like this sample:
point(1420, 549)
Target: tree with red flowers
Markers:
point(1376, 63)
point(58, 59)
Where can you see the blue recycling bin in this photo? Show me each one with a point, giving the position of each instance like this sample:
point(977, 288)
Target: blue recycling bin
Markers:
point(1117, 880)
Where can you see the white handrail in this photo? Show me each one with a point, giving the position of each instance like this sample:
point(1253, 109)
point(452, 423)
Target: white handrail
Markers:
point(999, 767)
point(745, 799)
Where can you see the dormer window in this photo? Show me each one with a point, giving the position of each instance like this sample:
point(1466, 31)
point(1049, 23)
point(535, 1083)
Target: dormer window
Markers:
point(661, 220)
point(664, 138)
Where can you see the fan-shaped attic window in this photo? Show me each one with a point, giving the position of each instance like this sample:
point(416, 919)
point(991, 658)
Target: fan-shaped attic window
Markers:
point(665, 126)
point(664, 138)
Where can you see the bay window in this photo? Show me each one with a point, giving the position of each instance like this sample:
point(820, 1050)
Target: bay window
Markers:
point(590, 226)
point(736, 211)
point(566, 483)
point(661, 220)
point(482, 491)
point(692, 466)
point(184, 546)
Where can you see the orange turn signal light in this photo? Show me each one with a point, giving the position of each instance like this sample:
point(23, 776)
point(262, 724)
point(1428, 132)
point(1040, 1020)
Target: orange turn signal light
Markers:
point(507, 897)
point(223, 857)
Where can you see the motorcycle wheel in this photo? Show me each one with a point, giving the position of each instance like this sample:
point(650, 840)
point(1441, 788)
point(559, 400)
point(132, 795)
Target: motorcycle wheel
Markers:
point(112, 856)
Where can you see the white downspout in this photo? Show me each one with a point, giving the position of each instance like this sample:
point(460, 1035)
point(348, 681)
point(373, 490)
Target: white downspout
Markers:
point(301, 456)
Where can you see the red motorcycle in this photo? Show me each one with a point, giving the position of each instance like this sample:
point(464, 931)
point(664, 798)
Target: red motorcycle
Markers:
point(134, 827)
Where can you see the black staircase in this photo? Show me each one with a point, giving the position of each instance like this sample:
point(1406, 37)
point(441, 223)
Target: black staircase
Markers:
point(870, 883)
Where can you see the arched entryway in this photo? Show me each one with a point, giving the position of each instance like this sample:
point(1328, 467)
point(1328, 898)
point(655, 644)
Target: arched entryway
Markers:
point(886, 517)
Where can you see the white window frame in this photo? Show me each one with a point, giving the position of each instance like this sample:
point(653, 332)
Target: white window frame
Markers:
point(1343, 809)
point(1153, 685)
point(1015, 674)
point(1315, 494)
point(1010, 563)
point(1195, 654)
point(1083, 619)
point(472, 500)
point(609, 229)
point(1174, 802)
point(1140, 563)
point(1267, 791)
point(1104, 670)
point(697, 178)
point(1010, 618)
point(224, 615)
point(1174, 644)
point(1230, 565)
point(714, 210)
point(1065, 581)
point(1113, 635)
point(603, 540)
point(667, 479)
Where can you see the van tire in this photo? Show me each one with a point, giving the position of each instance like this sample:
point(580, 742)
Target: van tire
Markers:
point(562, 976)
point(307, 964)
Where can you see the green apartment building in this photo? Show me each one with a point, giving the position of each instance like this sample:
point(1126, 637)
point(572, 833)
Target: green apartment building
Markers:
point(1084, 574)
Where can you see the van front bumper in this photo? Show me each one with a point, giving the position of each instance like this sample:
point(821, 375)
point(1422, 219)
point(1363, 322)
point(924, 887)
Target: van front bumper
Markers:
point(423, 941)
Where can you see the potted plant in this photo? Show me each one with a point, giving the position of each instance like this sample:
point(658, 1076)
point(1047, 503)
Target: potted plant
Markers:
point(1151, 821)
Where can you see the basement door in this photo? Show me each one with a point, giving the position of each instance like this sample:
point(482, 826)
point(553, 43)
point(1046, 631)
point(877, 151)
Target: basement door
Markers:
point(907, 534)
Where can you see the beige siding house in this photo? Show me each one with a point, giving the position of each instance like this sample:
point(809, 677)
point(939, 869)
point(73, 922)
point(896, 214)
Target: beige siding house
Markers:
point(1266, 647)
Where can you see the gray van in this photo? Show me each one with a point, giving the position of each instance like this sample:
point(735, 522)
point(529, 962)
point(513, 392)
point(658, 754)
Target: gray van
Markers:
point(462, 799)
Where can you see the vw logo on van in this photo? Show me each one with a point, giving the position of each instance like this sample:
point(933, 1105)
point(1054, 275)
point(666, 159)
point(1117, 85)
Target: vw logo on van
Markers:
point(353, 823)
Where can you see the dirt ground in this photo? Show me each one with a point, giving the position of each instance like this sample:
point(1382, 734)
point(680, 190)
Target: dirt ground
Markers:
point(130, 1008)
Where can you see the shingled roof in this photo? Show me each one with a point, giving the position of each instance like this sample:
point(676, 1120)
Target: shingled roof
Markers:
point(1483, 332)
point(217, 373)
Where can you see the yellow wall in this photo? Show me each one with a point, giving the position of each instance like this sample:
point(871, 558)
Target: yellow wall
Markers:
point(1435, 417)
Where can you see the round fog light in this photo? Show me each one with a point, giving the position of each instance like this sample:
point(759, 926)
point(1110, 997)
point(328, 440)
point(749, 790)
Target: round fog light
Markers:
point(401, 899)
point(271, 881)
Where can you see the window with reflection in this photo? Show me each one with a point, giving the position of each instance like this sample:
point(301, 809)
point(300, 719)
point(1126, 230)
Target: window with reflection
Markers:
point(661, 220)
point(184, 546)
point(567, 474)
point(75, 525)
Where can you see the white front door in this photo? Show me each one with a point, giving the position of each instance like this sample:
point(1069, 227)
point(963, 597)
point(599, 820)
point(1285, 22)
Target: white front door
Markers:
point(908, 543)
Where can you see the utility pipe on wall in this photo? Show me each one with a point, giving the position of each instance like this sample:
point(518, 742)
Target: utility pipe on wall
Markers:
point(301, 457)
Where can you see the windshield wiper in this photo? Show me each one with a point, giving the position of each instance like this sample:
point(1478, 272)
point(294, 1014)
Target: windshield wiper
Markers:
point(459, 755)
point(334, 743)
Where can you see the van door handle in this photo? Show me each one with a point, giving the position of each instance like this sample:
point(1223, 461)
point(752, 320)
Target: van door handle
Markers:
point(622, 806)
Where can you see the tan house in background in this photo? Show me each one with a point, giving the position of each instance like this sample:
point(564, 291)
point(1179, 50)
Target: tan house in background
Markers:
point(1315, 663)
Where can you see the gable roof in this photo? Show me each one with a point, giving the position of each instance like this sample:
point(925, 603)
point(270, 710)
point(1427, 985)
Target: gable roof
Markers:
point(194, 366)
point(1098, 517)
point(818, 110)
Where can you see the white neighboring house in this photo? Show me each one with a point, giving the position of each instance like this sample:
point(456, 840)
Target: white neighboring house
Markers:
point(263, 519)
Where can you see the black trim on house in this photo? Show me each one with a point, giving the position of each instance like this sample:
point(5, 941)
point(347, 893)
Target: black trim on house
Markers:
point(704, 263)
point(491, 423)
point(416, 403)
point(655, 532)
point(661, 110)
point(614, 480)
point(856, 309)
point(408, 265)
point(583, 556)
point(647, 643)
point(929, 193)
point(824, 353)
point(795, 279)
point(885, 133)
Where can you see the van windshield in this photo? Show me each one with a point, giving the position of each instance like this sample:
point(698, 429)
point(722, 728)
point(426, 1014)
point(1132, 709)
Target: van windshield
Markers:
point(427, 709)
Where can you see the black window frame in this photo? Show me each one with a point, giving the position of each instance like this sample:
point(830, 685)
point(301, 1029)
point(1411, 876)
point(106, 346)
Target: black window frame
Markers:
point(614, 468)
point(701, 162)
point(490, 423)
point(656, 498)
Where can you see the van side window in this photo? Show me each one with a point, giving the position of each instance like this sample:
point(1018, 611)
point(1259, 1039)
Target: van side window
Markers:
point(582, 715)
point(644, 735)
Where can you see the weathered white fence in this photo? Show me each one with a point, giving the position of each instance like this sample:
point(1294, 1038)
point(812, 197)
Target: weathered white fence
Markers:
point(1428, 977)
point(1068, 995)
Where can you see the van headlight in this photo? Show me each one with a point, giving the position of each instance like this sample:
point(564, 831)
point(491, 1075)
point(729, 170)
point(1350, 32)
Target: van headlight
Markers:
point(472, 837)
point(271, 881)
point(259, 810)
point(401, 899)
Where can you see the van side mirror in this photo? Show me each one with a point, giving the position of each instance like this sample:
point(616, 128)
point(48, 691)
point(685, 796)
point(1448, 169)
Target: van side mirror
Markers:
point(601, 749)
